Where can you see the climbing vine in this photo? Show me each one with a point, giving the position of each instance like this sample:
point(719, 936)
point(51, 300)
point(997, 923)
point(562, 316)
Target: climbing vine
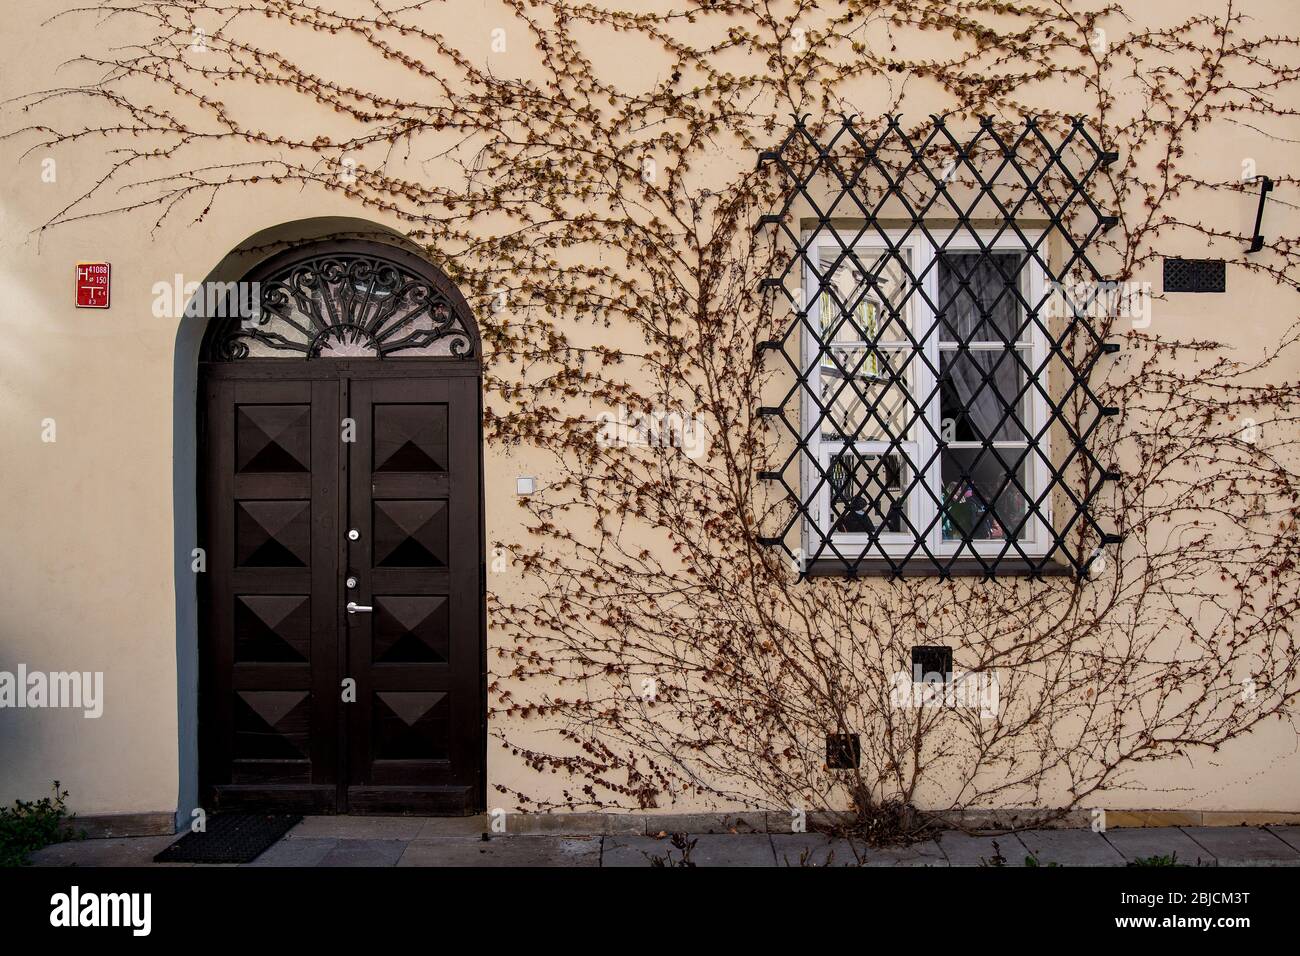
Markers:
point(587, 175)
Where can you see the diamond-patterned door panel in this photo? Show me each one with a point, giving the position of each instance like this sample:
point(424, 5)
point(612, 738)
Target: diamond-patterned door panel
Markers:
point(272, 628)
point(418, 561)
point(272, 534)
point(411, 629)
point(272, 438)
point(411, 725)
point(272, 724)
point(410, 438)
point(281, 494)
point(410, 534)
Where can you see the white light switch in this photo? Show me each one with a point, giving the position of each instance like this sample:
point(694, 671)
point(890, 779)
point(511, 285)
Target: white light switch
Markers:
point(525, 486)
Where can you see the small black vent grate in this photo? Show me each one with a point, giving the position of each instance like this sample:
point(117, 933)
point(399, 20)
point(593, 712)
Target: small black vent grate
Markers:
point(843, 751)
point(1195, 275)
point(930, 661)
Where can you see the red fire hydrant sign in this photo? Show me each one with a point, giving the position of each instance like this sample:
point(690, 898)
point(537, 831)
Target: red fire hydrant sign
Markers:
point(92, 285)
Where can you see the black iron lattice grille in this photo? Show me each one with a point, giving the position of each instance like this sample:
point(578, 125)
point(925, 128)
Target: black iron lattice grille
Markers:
point(947, 319)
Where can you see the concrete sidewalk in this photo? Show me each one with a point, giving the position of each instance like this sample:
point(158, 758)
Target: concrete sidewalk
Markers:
point(416, 841)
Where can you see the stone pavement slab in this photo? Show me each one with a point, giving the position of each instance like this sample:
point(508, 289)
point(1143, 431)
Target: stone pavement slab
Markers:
point(1288, 834)
point(1245, 846)
point(303, 851)
point(1070, 848)
point(925, 853)
point(454, 826)
point(364, 853)
point(814, 849)
point(360, 828)
point(119, 851)
point(635, 851)
point(979, 849)
point(729, 849)
point(817, 849)
point(382, 841)
point(523, 850)
point(1144, 842)
point(739, 849)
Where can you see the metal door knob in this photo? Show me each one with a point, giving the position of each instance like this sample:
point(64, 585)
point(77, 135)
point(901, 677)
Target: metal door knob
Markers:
point(355, 608)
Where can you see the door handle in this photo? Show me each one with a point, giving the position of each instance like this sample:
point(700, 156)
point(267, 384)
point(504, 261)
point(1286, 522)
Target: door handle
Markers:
point(355, 608)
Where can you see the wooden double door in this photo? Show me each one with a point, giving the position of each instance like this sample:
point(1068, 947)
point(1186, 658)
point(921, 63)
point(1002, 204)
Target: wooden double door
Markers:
point(342, 634)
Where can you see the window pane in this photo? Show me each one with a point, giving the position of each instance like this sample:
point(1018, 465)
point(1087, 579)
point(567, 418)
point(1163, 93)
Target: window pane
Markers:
point(867, 394)
point(863, 296)
point(850, 315)
point(979, 500)
point(977, 396)
point(977, 296)
point(867, 491)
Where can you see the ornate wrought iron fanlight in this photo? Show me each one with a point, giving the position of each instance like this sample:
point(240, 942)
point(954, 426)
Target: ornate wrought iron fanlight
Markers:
point(344, 301)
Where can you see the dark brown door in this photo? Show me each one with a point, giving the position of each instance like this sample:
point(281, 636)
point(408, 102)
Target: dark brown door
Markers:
point(343, 639)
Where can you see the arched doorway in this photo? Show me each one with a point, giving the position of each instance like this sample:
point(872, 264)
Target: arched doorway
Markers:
point(341, 612)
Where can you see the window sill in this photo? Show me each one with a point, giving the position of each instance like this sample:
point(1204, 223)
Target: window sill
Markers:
point(922, 567)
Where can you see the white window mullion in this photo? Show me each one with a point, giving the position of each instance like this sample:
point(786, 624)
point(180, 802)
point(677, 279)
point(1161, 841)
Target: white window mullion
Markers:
point(809, 362)
point(933, 477)
point(1041, 472)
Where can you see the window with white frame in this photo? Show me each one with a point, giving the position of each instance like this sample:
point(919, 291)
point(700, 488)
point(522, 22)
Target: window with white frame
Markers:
point(940, 416)
point(926, 395)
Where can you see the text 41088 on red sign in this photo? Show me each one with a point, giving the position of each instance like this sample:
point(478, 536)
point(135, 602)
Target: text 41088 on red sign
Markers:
point(92, 285)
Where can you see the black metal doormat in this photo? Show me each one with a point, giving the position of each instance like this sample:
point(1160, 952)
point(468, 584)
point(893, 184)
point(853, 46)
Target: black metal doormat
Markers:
point(230, 838)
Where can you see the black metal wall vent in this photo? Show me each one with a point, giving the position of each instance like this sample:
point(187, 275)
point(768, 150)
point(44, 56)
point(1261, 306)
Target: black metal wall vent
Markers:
point(843, 751)
point(860, 202)
point(929, 661)
point(1196, 275)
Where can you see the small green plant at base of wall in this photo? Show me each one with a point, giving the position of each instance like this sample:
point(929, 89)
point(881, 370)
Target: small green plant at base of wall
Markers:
point(29, 825)
point(1170, 860)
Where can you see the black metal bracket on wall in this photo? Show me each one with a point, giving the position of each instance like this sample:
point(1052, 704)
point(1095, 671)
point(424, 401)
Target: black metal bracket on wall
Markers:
point(881, 188)
point(1266, 187)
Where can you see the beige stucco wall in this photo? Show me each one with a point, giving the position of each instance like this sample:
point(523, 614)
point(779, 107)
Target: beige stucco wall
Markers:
point(87, 567)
